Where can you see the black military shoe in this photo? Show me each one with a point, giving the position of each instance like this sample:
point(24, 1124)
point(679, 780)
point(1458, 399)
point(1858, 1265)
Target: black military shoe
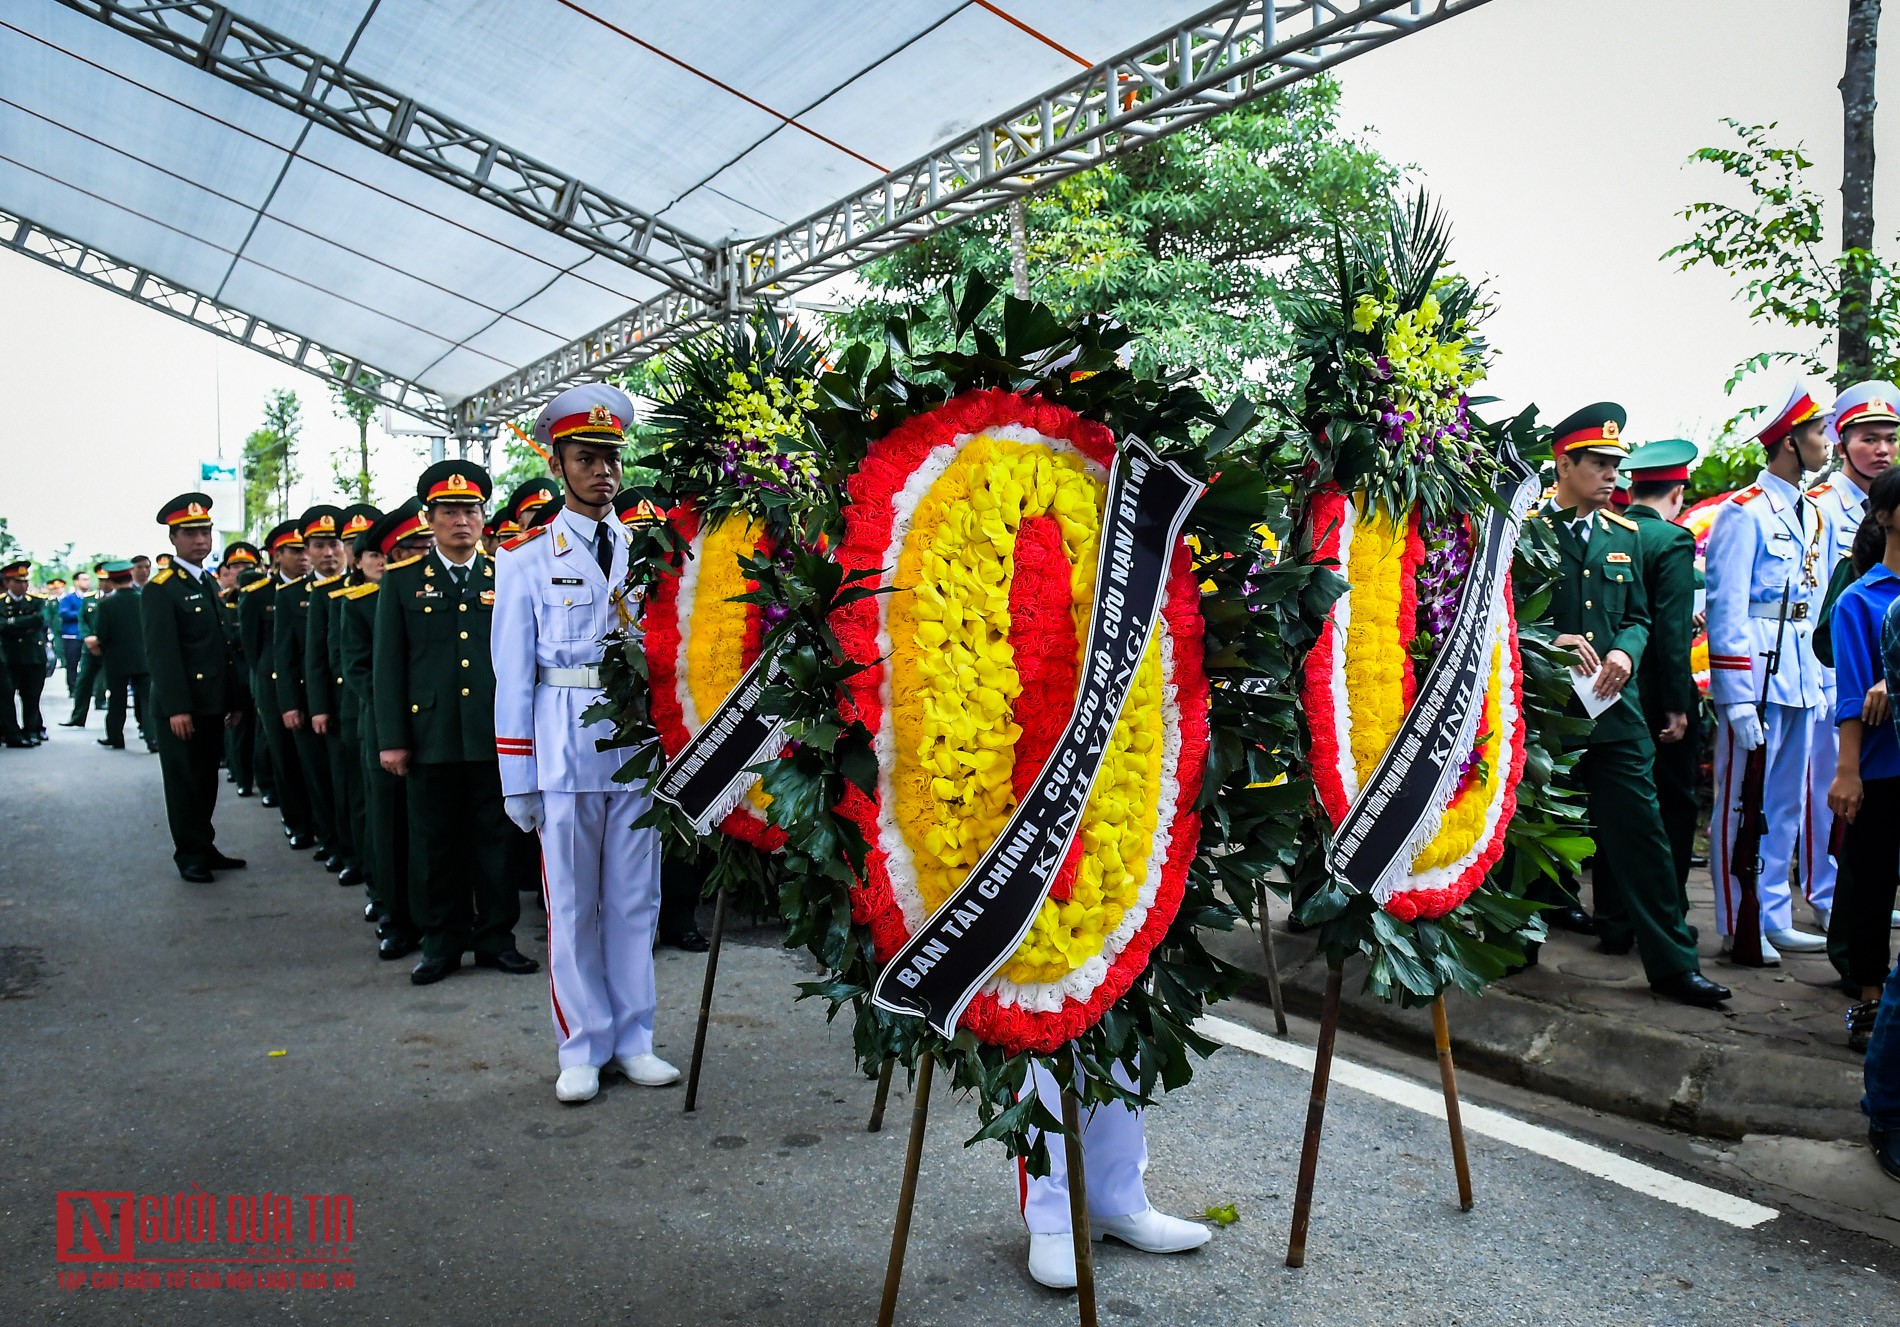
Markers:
point(333, 862)
point(371, 913)
point(268, 799)
point(511, 961)
point(1617, 945)
point(1572, 918)
point(1691, 988)
point(397, 946)
point(299, 842)
point(689, 940)
point(72, 723)
point(1886, 1150)
point(243, 792)
point(432, 970)
point(197, 875)
point(19, 744)
point(223, 863)
point(108, 742)
point(352, 875)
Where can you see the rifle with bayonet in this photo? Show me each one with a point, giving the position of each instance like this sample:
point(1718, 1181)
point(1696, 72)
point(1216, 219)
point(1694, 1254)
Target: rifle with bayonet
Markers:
point(1744, 862)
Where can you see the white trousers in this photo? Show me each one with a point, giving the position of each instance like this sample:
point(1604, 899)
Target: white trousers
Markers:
point(1784, 793)
point(600, 882)
point(1114, 1155)
point(1817, 824)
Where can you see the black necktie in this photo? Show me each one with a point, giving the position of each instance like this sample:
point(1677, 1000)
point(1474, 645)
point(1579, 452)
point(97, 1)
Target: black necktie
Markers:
point(603, 549)
point(460, 576)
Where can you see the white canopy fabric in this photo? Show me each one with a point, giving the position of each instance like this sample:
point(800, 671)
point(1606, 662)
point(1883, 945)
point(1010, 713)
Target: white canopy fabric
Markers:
point(701, 123)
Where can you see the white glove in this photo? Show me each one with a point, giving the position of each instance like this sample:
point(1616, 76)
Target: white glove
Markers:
point(1743, 722)
point(525, 809)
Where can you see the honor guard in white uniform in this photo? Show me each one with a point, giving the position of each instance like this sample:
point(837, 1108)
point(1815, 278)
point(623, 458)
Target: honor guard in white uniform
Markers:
point(555, 602)
point(1766, 572)
point(1842, 500)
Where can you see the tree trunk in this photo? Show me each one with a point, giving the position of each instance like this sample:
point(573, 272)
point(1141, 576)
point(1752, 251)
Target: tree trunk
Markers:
point(1018, 248)
point(1857, 191)
point(362, 456)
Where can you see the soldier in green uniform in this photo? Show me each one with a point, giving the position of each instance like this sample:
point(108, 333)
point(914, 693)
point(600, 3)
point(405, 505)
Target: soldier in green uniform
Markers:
point(257, 619)
point(121, 634)
point(330, 720)
point(402, 535)
point(235, 570)
point(1665, 683)
point(191, 685)
point(23, 643)
point(1601, 613)
point(319, 527)
point(435, 725)
point(89, 689)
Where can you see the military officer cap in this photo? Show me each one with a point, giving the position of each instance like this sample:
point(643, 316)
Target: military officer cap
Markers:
point(592, 412)
point(284, 534)
point(1795, 406)
point(503, 528)
point(531, 504)
point(321, 522)
point(392, 528)
point(240, 553)
point(1595, 428)
point(119, 573)
point(1620, 495)
point(633, 509)
point(357, 518)
point(454, 481)
point(1661, 462)
point(186, 511)
point(164, 561)
point(18, 570)
point(1864, 403)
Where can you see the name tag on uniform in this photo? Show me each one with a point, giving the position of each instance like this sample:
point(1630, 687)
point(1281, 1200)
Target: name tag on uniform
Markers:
point(566, 580)
point(488, 598)
point(1616, 557)
point(428, 592)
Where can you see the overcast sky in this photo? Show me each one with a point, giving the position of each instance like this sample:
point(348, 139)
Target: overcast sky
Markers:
point(1555, 132)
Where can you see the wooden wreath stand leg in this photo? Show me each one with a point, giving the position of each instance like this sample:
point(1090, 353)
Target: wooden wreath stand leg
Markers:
point(1441, 1037)
point(883, 1096)
point(907, 1194)
point(1315, 1121)
point(1079, 1210)
point(705, 1001)
point(1273, 967)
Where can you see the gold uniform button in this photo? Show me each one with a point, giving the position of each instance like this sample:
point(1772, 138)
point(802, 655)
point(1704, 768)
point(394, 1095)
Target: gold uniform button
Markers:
point(464, 691)
point(464, 663)
point(464, 635)
point(1589, 635)
point(1588, 604)
point(462, 607)
point(568, 602)
point(1586, 573)
point(273, 677)
point(415, 709)
point(198, 677)
point(427, 609)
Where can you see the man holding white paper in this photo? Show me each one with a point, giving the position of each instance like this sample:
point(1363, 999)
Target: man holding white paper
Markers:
point(1602, 616)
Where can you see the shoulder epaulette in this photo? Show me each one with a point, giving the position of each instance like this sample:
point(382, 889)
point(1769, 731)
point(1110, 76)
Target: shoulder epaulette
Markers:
point(416, 557)
point(288, 586)
point(1818, 490)
point(162, 576)
point(327, 581)
point(254, 586)
point(1623, 521)
point(1748, 494)
point(340, 591)
point(525, 536)
point(363, 591)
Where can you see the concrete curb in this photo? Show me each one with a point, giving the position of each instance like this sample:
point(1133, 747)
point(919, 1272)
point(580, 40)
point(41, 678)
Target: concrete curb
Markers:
point(1719, 1086)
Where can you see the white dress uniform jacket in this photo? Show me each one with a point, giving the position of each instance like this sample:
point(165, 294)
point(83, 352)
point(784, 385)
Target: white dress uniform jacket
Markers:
point(600, 876)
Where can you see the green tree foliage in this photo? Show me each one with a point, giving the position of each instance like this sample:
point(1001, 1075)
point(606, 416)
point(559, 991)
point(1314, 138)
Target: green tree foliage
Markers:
point(270, 462)
point(352, 472)
point(1775, 248)
point(1186, 242)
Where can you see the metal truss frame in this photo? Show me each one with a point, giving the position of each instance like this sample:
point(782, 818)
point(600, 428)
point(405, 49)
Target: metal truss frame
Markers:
point(1230, 54)
point(211, 37)
point(24, 236)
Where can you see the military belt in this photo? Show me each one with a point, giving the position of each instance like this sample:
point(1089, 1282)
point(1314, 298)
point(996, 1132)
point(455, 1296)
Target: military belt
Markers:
point(575, 677)
point(1796, 612)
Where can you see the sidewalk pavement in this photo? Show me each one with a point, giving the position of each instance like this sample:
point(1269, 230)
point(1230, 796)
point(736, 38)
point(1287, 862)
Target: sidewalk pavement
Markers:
point(1583, 1026)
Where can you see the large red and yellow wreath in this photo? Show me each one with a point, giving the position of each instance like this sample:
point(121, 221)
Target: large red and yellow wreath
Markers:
point(699, 644)
point(1359, 682)
point(982, 516)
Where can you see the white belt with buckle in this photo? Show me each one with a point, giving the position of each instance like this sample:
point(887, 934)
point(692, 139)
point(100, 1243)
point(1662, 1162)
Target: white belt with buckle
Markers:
point(570, 677)
point(1796, 612)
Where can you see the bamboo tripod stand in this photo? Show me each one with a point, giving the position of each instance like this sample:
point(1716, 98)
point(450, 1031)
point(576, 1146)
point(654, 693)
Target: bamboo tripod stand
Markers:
point(1316, 1114)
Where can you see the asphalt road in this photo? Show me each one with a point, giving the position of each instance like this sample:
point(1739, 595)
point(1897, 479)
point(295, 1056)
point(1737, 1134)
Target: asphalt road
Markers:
point(140, 1013)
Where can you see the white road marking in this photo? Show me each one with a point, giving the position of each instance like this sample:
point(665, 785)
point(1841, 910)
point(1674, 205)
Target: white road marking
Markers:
point(1482, 1120)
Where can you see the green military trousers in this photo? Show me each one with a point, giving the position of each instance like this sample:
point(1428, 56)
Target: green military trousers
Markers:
point(1635, 872)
